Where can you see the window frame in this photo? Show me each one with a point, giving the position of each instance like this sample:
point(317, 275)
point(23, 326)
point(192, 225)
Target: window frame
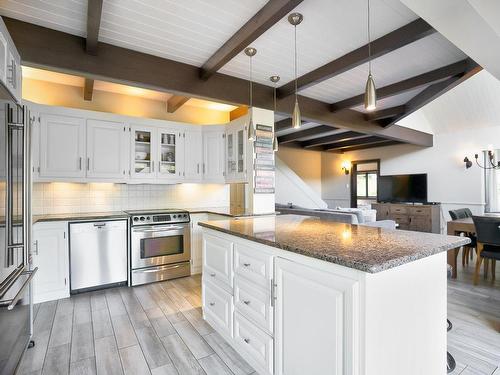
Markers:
point(366, 173)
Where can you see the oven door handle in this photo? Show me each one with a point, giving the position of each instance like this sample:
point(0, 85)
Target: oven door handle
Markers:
point(156, 269)
point(156, 229)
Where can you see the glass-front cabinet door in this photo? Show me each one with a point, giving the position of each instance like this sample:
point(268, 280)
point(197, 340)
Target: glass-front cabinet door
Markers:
point(231, 155)
point(241, 145)
point(235, 153)
point(143, 152)
point(169, 143)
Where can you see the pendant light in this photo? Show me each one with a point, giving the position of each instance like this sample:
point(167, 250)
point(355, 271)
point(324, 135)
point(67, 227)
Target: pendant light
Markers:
point(295, 19)
point(275, 80)
point(370, 89)
point(250, 52)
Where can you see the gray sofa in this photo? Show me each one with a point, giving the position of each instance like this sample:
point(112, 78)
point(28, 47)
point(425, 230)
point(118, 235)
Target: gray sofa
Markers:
point(334, 215)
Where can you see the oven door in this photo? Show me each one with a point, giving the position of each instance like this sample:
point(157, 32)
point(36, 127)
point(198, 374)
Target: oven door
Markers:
point(155, 245)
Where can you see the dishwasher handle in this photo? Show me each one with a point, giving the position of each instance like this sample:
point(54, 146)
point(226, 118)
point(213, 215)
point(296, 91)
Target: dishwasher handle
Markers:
point(99, 225)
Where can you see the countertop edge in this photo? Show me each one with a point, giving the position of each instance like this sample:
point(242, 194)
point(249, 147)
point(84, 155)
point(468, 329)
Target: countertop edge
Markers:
point(341, 262)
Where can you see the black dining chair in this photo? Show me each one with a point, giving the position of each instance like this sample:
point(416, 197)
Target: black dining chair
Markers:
point(488, 244)
point(468, 250)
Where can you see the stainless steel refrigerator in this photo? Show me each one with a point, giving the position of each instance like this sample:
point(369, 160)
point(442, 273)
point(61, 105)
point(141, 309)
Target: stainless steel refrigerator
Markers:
point(16, 307)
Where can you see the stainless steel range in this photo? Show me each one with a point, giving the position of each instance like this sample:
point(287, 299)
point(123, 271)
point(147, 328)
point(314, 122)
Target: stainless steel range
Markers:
point(160, 247)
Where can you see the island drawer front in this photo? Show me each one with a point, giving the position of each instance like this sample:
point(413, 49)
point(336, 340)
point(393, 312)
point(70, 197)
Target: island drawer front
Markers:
point(217, 307)
point(396, 209)
point(253, 303)
point(254, 343)
point(218, 260)
point(255, 266)
point(419, 211)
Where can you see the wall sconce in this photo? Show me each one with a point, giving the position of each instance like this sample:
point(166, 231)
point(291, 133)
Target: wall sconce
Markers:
point(467, 162)
point(490, 164)
point(346, 166)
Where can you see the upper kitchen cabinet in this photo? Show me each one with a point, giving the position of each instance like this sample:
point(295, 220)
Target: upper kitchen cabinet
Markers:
point(170, 158)
point(10, 64)
point(107, 150)
point(213, 153)
point(193, 157)
point(236, 149)
point(62, 146)
point(143, 152)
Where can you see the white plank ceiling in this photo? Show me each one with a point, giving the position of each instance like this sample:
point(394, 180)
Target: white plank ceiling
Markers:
point(190, 31)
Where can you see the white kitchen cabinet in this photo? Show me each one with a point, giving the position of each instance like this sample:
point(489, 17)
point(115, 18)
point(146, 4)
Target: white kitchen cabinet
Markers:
point(107, 150)
point(213, 154)
point(62, 146)
point(197, 242)
point(314, 313)
point(10, 63)
point(236, 149)
point(193, 156)
point(4, 54)
point(50, 255)
point(170, 154)
point(143, 156)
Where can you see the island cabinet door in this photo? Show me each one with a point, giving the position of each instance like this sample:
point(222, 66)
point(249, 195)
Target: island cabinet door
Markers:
point(316, 321)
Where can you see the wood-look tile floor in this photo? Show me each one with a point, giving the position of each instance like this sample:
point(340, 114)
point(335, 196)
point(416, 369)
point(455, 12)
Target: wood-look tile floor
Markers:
point(158, 329)
point(151, 329)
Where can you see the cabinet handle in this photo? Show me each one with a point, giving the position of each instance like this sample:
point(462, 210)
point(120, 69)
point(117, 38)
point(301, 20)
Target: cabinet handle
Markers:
point(212, 303)
point(203, 168)
point(246, 264)
point(212, 274)
point(159, 167)
point(247, 341)
point(198, 168)
point(80, 163)
point(88, 164)
point(247, 302)
point(152, 166)
point(36, 247)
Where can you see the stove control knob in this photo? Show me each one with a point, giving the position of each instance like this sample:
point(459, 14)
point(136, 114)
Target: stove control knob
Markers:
point(147, 218)
point(136, 218)
point(142, 218)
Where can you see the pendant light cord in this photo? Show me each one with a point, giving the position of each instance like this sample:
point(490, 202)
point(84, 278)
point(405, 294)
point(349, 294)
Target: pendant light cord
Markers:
point(369, 42)
point(251, 94)
point(295, 54)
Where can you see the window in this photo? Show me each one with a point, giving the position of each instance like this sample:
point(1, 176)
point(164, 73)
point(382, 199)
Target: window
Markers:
point(366, 185)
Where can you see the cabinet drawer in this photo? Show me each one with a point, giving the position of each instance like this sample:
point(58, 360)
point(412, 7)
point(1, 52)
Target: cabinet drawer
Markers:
point(420, 224)
point(253, 303)
point(401, 219)
point(419, 211)
point(255, 266)
point(218, 261)
point(217, 307)
point(399, 209)
point(254, 343)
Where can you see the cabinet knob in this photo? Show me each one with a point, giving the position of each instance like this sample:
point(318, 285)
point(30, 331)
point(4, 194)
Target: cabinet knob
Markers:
point(212, 303)
point(247, 302)
point(212, 274)
point(247, 341)
point(246, 264)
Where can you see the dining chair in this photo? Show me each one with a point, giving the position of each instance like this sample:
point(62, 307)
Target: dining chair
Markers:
point(468, 250)
point(488, 244)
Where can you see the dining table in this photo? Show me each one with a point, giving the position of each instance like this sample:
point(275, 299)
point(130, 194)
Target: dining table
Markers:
point(453, 227)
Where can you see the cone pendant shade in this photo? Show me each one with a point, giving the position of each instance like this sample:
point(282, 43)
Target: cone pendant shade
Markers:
point(250, 130)
point(275, 143)
point(296, 120)
point(370, 94)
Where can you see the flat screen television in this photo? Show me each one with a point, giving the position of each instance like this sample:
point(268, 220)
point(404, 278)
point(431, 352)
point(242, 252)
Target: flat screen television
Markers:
point(411, 188)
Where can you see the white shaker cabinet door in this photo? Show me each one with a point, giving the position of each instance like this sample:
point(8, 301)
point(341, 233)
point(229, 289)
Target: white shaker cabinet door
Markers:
point(315, 321)
point(106, 149)
point(213, 156)
point(62, 146)
point(50, 255)
point(193, 146)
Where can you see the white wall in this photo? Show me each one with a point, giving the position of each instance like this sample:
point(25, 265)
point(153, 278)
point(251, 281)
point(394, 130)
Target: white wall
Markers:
point(305, 163)
point(61, 197)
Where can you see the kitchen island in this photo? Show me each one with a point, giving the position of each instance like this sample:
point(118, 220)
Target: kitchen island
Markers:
point(298, 295)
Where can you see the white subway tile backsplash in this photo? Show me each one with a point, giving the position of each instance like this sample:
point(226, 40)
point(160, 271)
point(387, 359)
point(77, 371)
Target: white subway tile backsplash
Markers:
point(58, 197)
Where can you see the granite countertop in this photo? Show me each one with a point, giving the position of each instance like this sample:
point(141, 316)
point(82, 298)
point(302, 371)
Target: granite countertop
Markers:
point(225, 211)
point(364, 248)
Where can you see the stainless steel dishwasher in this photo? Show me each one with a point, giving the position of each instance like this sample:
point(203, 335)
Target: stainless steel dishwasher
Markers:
point(98, 254)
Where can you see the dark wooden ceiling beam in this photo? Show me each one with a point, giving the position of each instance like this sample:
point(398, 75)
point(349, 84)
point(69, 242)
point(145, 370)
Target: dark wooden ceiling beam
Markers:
point(88, 89)
point(436, 90)
point(370, 145)
point(396, 39)
point(54, 50)
point(317, 131)
point(265, 18)
point(94, 13)
point(385, 113)
point(353, 142)
point(406, 85)
point(341, 137)
point(175, 102)
point(284, 124)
